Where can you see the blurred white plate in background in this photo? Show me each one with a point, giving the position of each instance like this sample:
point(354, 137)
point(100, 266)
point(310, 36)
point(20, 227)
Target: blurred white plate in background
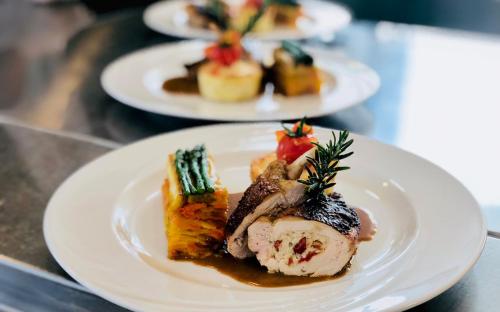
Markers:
point(320, 17)
point(137, 78)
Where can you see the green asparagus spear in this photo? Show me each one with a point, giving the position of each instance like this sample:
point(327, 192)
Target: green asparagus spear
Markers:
point(183, 172)
point(209, 183)
point(194, 168)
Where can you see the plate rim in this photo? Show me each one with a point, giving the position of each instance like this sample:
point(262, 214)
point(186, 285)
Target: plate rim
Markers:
point(140, 104)
point(414, 301)
point(149, 22)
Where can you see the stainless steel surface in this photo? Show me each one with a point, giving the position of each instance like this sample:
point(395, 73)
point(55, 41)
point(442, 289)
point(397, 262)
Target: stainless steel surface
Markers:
point(33, 165)
point(439, 99)
point(25, 291)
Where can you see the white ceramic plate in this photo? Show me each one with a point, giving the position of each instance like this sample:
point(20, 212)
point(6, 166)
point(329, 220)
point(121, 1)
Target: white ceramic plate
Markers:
point(170, 18)
point(136, 80)
point(104, 227)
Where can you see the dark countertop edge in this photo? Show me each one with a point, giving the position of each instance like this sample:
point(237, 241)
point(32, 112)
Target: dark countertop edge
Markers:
point(28, 268)
point(493, 234)
point(61, 133)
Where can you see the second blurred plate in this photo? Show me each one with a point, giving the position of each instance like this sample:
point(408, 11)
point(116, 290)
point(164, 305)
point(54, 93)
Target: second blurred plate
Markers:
point(136, 80)
point(170, 18)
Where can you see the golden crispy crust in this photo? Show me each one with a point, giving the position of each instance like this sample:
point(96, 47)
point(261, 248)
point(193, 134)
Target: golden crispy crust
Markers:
point(194, 224)
point(259, 165)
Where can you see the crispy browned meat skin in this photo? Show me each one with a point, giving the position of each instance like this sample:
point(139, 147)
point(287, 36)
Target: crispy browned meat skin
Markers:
point(330, 210)
point(265, 185)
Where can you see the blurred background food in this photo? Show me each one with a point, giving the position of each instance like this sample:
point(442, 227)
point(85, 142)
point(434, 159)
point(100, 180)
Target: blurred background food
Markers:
point(474, 15)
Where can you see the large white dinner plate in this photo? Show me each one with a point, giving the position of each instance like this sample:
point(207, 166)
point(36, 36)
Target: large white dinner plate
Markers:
point(320, 17)
point(104, 227)
point(136, 80)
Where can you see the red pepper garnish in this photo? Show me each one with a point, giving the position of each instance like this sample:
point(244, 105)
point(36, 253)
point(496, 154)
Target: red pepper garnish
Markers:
point(301, 246)
point(277, 245)
point(308, 257)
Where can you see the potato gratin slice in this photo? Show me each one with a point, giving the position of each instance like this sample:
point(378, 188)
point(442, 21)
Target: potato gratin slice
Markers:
point(195, 205)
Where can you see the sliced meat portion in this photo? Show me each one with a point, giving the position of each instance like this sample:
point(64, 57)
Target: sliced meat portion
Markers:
point(266, 184)
point(313, 239)
point(269, 195)
point(296, 246)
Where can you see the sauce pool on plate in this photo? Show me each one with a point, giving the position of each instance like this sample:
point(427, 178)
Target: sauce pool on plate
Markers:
point(249, 271)
point(368, 227)
point(185, 85)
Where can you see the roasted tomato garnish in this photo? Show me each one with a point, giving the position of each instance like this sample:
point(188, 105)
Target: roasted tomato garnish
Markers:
point(227, 50)
point(292, 143)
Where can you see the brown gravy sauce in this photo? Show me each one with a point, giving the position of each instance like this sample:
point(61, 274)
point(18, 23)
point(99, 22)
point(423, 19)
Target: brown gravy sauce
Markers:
point(184, 85)
point(368, 227)
point(249, 271)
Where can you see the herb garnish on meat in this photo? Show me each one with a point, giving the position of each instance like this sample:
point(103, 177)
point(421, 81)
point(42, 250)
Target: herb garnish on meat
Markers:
point(323, 167)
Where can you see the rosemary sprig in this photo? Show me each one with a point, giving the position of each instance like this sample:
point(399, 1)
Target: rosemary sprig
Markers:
point(325, 164)
point(300, 129)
